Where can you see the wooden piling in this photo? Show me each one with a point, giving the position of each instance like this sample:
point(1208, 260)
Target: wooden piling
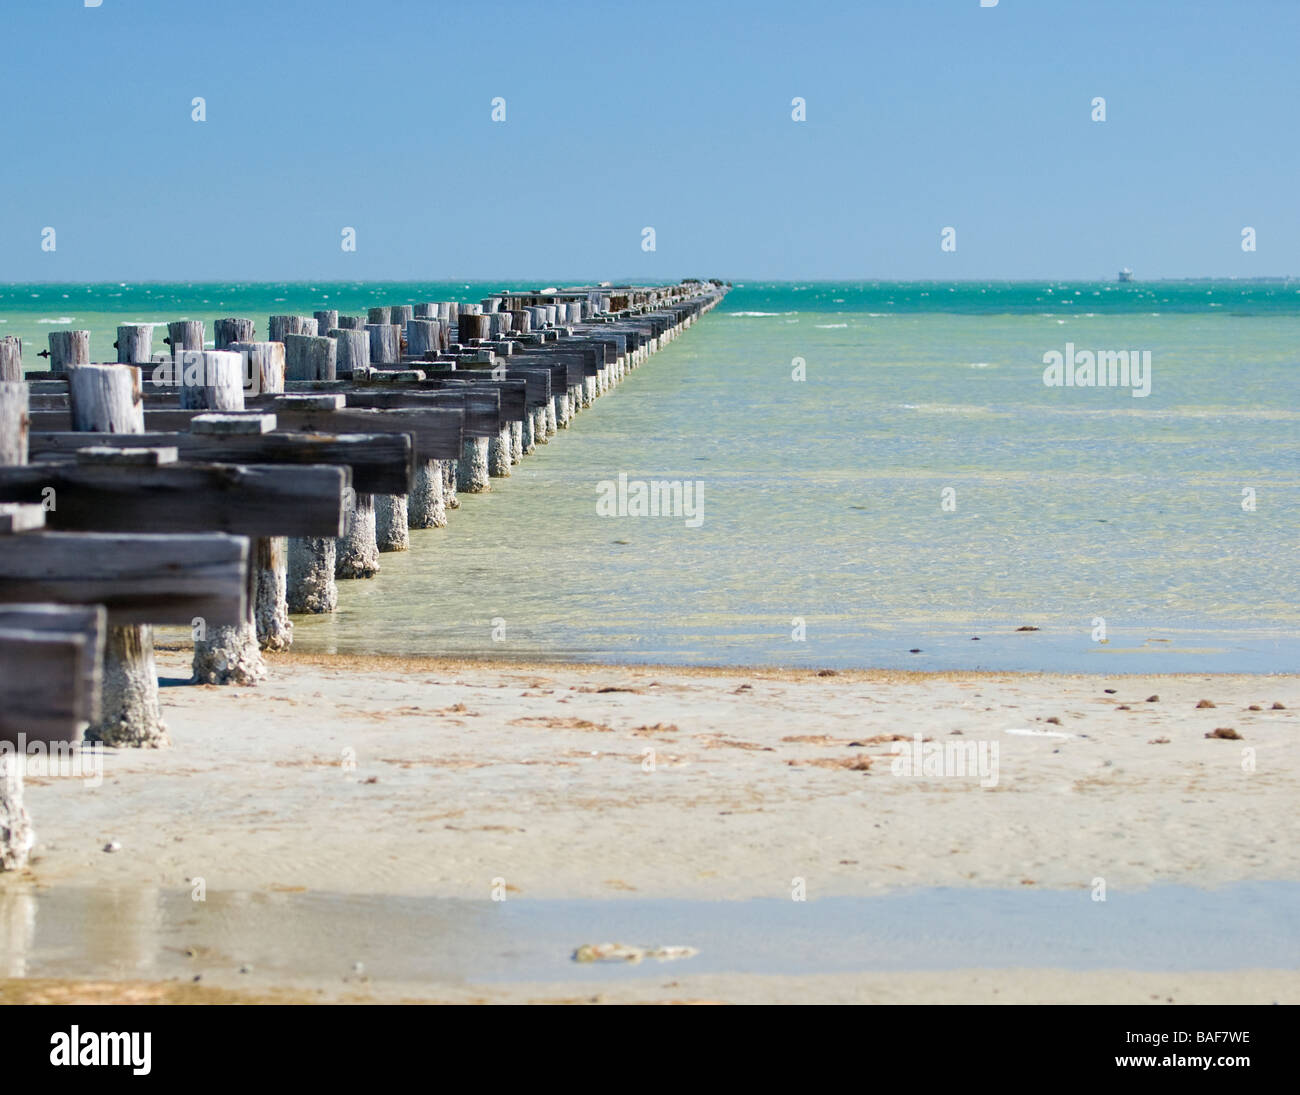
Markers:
point(385, 343)
point(68, 348)
point(449, 484)
point(380, 315)
point(13, 422)
point(263, 366)
point(185, 334)
point(11, 359)
point(426, 504)
point(391, 528)
point(352, 353)
point(423, 336)
point(17, 837)
point(311, 588)
point(358, 551)
point(499, 459)
point(472, 475)
point(325, 320)
point(227, 332)
point(261, 370)
point(310, 357)
point(108, 399)
point(280, 326)
point(211, 380)
point(134, 344)
point(231, 653)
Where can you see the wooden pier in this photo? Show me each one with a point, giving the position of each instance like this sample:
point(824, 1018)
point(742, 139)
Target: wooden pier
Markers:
point(226, 490)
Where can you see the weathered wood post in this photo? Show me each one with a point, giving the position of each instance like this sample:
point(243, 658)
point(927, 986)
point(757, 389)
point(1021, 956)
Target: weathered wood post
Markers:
point(352, 323)
point(449, 484)
point(385, 343)
point(227, 332)
point(134, 344)
point(68, 348)
point(263, 373)
point(310, 357)
point(16, 835)
point(426, 506)
point(423, 336)
point(279, 326)
point(186, 334)
point(211, 380)
point(352, 353)
point(401, 314)
point(224, 654)
point(262, 366)
point(358, 550)
point(499, 449)
point(392, 515)
point(391, 511)
point(13, 422)
point(11, 359)
point(108, 399)
point(472, 475)
point(325, 320)
point(380, 315)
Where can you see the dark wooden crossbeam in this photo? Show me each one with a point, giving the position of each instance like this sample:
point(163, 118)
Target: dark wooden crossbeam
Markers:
point(381, 463)
point(257, 500)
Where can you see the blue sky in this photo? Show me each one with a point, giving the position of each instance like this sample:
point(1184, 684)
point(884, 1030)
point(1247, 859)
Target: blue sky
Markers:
point(920, 115)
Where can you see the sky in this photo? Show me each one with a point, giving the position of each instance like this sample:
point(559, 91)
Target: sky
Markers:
point(921, 115)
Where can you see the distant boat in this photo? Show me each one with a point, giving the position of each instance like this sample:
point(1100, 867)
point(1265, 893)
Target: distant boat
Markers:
point(1126, 274)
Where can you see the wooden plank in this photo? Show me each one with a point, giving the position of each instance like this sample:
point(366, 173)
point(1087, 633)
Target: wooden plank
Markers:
point(139, 579)
point(436, 432)
point(256, 500)
point(381, 463)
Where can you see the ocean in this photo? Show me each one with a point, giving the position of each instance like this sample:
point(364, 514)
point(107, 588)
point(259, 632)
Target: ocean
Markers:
point(883, 480)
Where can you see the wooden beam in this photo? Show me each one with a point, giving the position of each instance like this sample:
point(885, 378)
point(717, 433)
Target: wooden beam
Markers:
point(258, 500)
point(381, 463)
point(139, 579)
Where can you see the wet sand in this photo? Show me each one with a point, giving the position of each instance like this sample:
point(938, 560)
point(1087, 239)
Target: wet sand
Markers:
point(437, 779)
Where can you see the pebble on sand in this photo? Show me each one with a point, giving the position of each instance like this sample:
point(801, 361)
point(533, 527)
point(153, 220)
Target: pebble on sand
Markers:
point(1226, 732)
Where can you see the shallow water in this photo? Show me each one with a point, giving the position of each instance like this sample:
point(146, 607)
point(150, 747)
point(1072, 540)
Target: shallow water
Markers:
point(822, 500)
point(315, 938)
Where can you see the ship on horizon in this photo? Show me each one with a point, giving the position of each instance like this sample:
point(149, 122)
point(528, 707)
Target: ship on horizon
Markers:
point(1126, 274)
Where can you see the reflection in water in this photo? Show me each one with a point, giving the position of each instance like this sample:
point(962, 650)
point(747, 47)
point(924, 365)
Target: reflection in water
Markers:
point(314, 939)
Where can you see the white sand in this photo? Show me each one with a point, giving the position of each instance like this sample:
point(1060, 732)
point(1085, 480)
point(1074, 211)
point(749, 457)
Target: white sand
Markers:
point(467, 773)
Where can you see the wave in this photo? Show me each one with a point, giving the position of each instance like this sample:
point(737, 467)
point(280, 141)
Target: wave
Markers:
point(61, 319)
point(829, 326)
point(760, 313)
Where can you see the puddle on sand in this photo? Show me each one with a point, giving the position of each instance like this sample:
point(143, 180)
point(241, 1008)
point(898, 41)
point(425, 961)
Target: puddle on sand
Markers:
point(314, 939)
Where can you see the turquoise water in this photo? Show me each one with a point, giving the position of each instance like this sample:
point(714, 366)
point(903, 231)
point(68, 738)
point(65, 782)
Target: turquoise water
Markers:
point(823, 499)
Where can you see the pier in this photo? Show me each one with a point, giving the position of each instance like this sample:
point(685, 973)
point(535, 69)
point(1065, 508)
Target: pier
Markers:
point(226, 490)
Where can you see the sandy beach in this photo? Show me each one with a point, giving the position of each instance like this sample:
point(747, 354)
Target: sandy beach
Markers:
point(395, 779)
